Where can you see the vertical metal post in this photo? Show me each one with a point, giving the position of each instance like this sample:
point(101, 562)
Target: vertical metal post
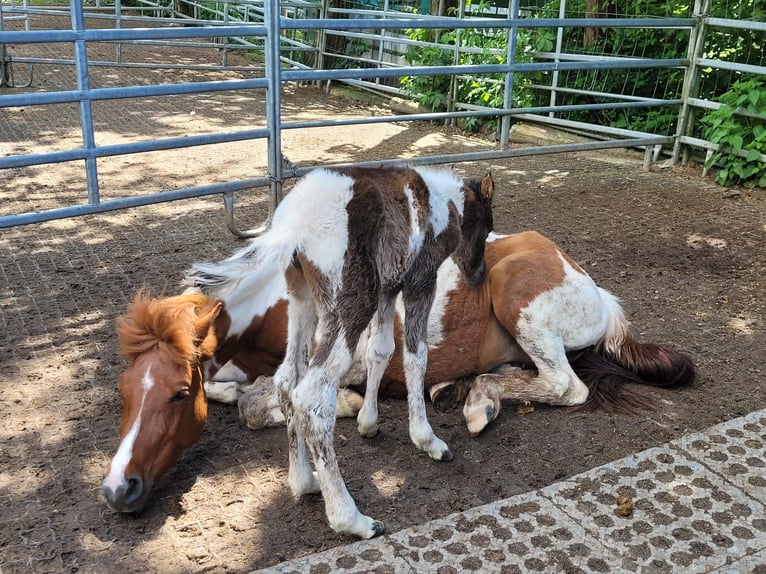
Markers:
point(86, 112)
point(453, 86)
point(694, 52)
point(510, 58)
point(559, 43)
point(118, 25)
point(273, 102)
point(5, 75)
point(381, 42)
point(225, 50)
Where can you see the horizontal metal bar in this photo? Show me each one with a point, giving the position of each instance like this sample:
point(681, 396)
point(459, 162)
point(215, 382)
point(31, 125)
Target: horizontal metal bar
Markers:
point(356, 73)
point(733, 66)
point(153, 65)
point(697, 142)
point(418, 22)
point(130, 148)
point(98, 94)
point(736, 24)
point(708, 105)
point(503, 154)
point(122, 203)
point(563, 90)
point(119, 34)
point(595, 128)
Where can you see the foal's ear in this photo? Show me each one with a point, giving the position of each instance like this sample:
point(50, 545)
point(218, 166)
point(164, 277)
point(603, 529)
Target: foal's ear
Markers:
point(204, 336)
point(487, 187)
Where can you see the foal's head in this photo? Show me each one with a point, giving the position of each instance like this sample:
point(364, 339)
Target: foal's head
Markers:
point(164, 408)
point(476, 225)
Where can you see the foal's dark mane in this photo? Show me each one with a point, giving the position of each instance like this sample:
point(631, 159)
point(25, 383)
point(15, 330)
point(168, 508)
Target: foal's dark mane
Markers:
point(167, 323)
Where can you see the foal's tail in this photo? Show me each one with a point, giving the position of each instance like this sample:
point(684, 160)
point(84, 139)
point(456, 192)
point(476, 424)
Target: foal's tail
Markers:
point(267, 255)
point(620, 358)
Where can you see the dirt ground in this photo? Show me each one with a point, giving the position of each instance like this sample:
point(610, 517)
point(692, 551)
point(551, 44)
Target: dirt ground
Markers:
point(686, 258)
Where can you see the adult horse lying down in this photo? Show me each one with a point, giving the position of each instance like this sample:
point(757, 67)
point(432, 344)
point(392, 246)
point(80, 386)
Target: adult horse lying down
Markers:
point(349, 241)
point(180, 338)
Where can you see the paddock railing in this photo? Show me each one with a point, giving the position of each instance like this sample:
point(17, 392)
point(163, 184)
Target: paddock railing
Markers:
point(291, 42)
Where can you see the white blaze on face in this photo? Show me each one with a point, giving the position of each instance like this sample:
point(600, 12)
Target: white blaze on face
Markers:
point(125, 452)
point(447, 280)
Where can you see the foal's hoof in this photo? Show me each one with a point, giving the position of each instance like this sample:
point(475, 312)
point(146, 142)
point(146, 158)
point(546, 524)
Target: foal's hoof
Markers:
point(377, 528)
point(447, 456)
point(368, 432)
point(439, 451)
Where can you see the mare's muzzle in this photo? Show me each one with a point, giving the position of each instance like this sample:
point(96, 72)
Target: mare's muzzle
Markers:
point(129, 496)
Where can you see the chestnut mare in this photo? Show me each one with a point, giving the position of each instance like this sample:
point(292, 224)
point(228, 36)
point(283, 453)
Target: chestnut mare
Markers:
point(349, 241)
point(526, 302)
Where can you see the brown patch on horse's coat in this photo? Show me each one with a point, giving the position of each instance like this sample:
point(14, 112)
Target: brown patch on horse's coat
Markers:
point(171, 323)
point(513, 279)
point(260, 348)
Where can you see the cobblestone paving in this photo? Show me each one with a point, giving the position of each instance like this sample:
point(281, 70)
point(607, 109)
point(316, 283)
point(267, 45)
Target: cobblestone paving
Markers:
point(695, 505)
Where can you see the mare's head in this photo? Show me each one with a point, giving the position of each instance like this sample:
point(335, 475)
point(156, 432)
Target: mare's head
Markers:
point(476, 225)
point(164, 408)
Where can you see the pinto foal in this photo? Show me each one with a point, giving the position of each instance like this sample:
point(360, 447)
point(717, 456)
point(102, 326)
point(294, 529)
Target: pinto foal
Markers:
point(349, 241)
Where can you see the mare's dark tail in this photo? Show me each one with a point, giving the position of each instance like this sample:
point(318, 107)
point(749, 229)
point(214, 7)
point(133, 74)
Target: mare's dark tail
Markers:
point(621, 359)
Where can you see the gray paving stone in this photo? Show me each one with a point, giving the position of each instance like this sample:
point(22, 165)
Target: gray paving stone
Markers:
point(697, 506)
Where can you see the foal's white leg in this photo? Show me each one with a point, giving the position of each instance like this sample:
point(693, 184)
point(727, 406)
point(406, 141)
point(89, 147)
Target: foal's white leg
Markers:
point(415, 357)
point(314, 401)
point(380, 347)
point(301, 325)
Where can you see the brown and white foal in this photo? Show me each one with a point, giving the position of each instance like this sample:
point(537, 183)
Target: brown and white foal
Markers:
point(349, 241)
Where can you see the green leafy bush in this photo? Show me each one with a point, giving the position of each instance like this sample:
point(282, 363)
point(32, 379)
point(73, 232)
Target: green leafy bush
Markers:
point(742, 138)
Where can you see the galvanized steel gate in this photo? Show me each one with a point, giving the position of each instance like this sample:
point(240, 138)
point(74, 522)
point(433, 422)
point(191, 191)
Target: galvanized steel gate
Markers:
point(269, 32)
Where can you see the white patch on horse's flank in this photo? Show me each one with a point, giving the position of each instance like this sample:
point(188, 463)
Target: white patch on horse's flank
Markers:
point(317, 205)
point(444, 187)
point(447, 280)
point(230, 373)
point(125, 451)
point(572, 311)
point(417, 236)
point(251, 297)
point(492, 237)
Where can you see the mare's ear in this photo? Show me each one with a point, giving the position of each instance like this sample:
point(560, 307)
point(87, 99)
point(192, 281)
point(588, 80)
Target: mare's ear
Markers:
point(204, 334)
point(487, 187)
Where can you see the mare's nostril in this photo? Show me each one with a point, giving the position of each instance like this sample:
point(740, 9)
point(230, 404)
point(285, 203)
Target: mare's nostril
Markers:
point(134, 490)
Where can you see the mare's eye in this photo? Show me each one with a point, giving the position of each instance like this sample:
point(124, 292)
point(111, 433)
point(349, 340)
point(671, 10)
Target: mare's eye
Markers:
point(180, 395)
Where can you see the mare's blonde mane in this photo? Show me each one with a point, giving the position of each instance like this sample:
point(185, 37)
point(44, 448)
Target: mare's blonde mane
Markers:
point(167, 323)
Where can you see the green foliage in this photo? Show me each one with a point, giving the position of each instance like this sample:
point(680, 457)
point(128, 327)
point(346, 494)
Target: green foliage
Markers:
point(739, 135)
point(488, 47)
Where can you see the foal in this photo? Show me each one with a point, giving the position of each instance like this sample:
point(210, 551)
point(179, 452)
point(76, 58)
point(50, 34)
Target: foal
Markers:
point(350, 240)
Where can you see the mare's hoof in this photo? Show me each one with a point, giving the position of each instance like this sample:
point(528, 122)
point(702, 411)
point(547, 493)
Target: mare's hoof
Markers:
point(447, 456)
point(443, 396)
